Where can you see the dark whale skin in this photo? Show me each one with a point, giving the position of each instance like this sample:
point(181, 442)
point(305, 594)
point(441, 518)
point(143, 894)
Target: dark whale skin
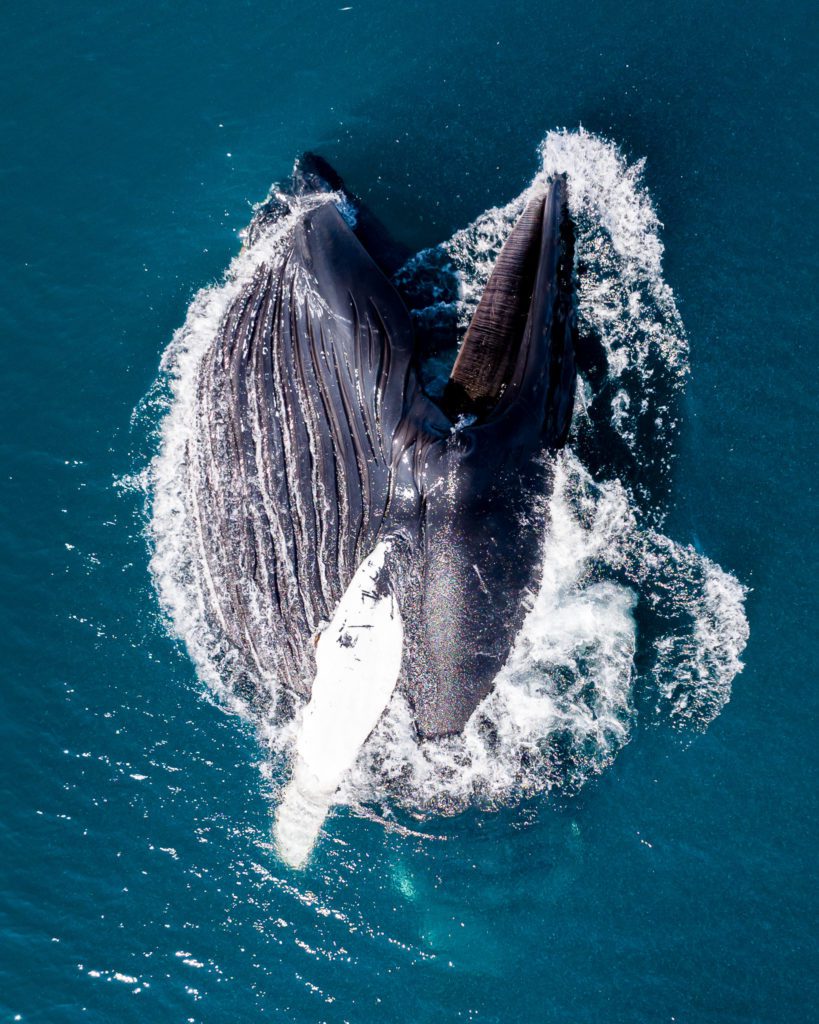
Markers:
point(314, 440)
point(480, 488)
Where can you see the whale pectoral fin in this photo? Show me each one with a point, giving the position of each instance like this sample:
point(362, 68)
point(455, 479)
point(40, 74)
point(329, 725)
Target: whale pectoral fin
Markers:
point(358, 660)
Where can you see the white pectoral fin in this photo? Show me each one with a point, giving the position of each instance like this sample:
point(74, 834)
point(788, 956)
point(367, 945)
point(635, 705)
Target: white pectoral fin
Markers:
point(358, 660)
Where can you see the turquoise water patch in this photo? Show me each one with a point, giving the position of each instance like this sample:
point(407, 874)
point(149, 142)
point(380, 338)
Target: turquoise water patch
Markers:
point(140, 880)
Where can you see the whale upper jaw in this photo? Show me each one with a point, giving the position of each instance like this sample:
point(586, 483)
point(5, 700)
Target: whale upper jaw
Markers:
point(519, 346)
point(474, 468)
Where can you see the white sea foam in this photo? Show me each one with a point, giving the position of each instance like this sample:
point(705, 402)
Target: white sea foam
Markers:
point(561, 707)
point(565, 702)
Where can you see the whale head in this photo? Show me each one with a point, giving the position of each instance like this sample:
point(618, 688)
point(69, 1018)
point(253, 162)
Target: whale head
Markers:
point(360, 533)
point(436, 605)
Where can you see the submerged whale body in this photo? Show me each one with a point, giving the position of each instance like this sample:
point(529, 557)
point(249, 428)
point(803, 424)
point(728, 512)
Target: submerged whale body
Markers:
point(384, 537)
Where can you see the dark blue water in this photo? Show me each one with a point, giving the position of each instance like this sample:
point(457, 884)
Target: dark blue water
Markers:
point(138, 879)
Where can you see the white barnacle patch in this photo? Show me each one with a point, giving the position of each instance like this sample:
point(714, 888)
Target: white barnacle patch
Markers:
point(464, 420)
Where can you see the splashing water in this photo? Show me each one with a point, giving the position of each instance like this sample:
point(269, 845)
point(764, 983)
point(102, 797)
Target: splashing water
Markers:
point(564, 703)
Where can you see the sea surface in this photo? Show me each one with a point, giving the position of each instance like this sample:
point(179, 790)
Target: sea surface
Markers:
point(653, 856)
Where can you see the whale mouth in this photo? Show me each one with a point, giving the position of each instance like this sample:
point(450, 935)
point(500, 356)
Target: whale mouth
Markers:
point(581, 674)
point(531, 280)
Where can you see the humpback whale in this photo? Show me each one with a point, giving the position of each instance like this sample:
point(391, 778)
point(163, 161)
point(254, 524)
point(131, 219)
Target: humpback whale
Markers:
point(359, 533)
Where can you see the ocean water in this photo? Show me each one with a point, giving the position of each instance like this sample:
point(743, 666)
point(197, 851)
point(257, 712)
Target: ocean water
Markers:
point(655, 857)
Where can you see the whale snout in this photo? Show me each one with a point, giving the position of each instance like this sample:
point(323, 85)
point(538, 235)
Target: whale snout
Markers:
point(518, 331)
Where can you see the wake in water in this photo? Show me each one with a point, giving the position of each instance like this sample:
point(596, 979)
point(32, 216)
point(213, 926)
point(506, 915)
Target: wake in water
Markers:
point(565, 701)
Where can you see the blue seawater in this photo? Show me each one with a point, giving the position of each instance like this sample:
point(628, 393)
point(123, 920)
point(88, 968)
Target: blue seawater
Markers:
point(139, 879)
